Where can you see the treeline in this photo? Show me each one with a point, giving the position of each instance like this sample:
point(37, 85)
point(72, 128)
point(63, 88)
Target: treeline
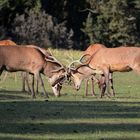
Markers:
point(70, 23)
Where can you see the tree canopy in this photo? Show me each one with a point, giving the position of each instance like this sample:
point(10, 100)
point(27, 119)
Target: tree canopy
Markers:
point(71, 23)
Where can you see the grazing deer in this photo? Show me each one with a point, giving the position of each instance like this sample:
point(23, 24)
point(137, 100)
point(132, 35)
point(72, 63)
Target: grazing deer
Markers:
point(33, 61)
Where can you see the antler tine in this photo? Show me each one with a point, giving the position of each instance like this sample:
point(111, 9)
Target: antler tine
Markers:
point(83, 57)
point(76, 61)
point(53, 59)
point(79, 60)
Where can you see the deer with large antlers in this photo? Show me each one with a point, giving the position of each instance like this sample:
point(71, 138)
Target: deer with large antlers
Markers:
point(33, 61)
point(24, 75)
point(25, 78)
point(5, 43)
point(109, 60)
point(101, 80)
point(78, 71)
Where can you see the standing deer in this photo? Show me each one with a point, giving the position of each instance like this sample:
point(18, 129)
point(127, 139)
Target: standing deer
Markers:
point(33, 61)
point(77, 72)
point(25, 77)
point(89, 51)
point(109, 60)
point(7, 42)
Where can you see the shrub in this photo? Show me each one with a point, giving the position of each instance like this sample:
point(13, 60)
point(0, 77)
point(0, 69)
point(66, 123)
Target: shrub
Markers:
point(41, 29)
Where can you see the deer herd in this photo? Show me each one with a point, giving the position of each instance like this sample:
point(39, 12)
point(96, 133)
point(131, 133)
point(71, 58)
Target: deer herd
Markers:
point(97, 63)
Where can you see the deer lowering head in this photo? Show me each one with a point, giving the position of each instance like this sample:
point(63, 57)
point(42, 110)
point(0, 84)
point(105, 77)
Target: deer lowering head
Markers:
point(54, 70)
point(79, 70)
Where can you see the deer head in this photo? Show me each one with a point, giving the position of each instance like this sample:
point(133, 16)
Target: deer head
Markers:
point(80, 69)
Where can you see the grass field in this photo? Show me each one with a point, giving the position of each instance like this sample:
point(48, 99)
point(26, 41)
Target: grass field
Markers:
point(71, 116)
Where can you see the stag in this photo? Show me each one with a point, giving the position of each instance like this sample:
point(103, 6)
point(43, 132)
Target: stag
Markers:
point(109, 60)
point(78, 71)
point(25, 76)
point(7, 42)
point(89, 51)
point(93, 78)
point(33, 61)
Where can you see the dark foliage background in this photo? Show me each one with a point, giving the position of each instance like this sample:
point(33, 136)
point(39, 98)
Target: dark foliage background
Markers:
point(71, 23)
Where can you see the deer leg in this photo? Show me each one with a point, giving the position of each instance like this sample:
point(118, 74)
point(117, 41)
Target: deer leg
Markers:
point(5, 76)
point(86, 87)
point(37, 91)
point(111, 83)
point(92, 87)
point(27, 82)
point(15, 75)
point(33, 84)
point(43, 87)
point(106, 86)
point(23, 82)
point(102, 85)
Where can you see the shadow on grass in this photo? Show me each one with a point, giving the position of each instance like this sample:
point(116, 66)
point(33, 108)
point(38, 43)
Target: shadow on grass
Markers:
point(59, 128)
point(20, 117)
point(6, 95)
point(17, 138)
point(18, 95)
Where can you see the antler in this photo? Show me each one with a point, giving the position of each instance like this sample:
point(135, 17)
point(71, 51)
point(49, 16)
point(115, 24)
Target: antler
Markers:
point(79, 61)
point(85, 56)
point(42, 50)
point(53, 59)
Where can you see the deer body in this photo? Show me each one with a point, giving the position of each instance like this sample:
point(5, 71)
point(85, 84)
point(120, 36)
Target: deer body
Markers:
point(89, 51)
point(7, 42)
point(28, 59)
point(121, 59)
point(105, 61)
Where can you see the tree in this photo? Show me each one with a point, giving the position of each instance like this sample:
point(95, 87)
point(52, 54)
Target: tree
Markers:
point(41, 29)
point(114, 24)
point(88, 30)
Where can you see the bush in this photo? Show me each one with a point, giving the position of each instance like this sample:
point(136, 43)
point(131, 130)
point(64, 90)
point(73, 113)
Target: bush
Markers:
point(41, 29)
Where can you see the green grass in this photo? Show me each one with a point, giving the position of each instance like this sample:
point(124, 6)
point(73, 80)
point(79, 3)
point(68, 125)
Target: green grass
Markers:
point(71, 116)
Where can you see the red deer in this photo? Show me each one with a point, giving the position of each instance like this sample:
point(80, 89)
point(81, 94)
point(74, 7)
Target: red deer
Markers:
point(89, 51)
point(33, 61)
point(56, 89)
point(25, 80)
point(77, 72)
point(109, 60)
point(24, 75)
point(7, 42)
